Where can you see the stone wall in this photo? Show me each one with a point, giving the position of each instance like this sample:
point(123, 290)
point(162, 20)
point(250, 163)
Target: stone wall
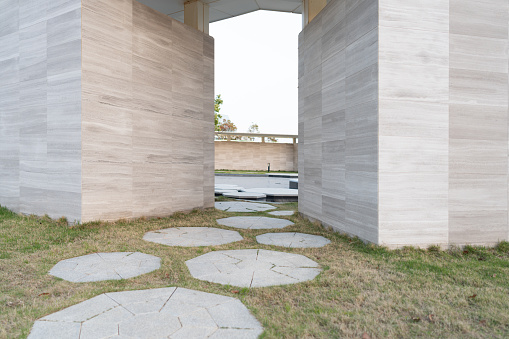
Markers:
point(338, 118)
point(411, 148)
point(106, 110)
point(40, 107)
point(148, 123)
point(254, 156)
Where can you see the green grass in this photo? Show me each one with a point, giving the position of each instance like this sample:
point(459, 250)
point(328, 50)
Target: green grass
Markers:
point(363, 289)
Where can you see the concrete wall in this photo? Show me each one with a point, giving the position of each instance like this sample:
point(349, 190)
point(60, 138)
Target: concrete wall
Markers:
point(246, 156)
point(425, 111)
point(338, 118)
point(106, 110)
point(40, 107)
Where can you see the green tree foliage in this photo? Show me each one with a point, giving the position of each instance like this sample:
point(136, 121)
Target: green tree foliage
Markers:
point(254, 128)
point(217, 107)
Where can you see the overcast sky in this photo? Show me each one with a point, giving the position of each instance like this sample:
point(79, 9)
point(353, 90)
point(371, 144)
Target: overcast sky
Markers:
point(256, 70)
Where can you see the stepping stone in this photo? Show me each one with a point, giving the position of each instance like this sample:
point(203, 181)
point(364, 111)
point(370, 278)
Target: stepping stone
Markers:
point(193, 236)
point(282, 213)
point(253, 268)
point(254, 223)
point(245, 195)
point(159, 313)
point(294, 240)
point(220, 192)
point(228, 187)
point(105, 266)
point(240, 206)
point(277, 194)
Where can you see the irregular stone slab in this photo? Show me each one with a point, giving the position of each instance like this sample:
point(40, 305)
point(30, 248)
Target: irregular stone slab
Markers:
point(282, 213)
point(220, 192)
point(253, 268)
point(241, 206)
point(294, 240)
point(193, 236)
point(105, 266)
point(245, 195)
point(228, 187)
point(277, 194)
point(254, 223)
point(159, 313)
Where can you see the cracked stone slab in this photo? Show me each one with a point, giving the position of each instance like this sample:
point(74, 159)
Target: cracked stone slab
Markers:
point(254, 223)
point(294, 240)
point(241, 206)
point(105, 266)
point(158, 313)
point(282, 213)
point(253, 268)
point(193, 236)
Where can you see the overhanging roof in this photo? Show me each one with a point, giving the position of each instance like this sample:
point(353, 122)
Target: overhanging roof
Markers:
point(224, 9)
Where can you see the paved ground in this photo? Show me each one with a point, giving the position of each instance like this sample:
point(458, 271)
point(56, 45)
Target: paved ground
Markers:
point(157, 313)
point(105, 266)
point(193, 236)
point(282, 213)
point(254, 223)
point(253, 268)
point(241, 206)
point(294, 240)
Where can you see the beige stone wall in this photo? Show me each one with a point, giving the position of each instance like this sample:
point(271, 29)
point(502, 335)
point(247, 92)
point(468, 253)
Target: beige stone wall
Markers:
point(478, 121)
point(233, 155)
point(338, 118)
point(414, 123)
point(403, 121)
point(147, 120)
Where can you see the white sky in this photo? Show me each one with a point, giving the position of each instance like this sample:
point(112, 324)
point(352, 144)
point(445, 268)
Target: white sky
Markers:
point(256, 69)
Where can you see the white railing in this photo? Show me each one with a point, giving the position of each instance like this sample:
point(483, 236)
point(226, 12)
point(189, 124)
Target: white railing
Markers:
point(231, 136)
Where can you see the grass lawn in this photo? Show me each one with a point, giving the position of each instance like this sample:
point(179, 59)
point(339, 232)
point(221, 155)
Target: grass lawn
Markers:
point(364, 291)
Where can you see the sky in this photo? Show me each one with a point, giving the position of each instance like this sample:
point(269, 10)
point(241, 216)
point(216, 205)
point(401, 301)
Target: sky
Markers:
point(256, 69)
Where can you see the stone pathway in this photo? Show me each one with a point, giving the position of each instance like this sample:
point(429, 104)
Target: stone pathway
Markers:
point(105, 266)
point(240, 206)
point(254, 223)
point(253, 268)
point(193, 236)
point(157, 313)
point(282, 213)
point(178, 312)
point(293, 240)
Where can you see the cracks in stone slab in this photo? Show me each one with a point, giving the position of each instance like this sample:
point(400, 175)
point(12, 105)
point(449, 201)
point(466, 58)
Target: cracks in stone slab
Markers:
point(286, 275)
point(171, 295)
point(119, 304)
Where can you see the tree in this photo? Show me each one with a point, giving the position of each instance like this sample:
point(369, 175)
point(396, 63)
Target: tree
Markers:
point(254, 128)
point(227, 126)
point(217, 107)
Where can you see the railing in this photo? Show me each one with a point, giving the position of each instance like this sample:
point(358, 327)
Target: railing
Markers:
point(229, 136)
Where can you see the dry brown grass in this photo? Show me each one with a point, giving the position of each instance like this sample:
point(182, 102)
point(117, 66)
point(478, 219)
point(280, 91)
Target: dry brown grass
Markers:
point(364, 290)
